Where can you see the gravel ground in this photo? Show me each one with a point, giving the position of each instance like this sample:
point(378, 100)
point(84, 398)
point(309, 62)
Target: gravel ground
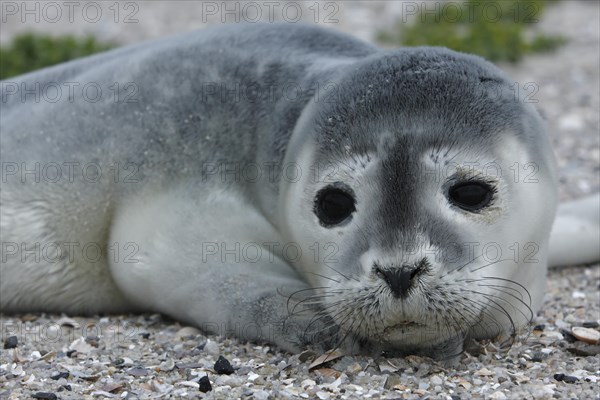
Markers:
point(149, 356)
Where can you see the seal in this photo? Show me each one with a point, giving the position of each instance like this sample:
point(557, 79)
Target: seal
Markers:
point(279, 183)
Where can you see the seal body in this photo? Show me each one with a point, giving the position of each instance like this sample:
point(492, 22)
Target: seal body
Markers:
point(280, 183)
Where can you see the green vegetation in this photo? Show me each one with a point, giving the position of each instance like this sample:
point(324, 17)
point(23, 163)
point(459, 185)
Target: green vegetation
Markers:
point(497, 30)
point(31, 51)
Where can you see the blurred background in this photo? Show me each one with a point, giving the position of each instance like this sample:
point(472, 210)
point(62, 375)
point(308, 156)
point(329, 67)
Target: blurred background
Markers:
point(550, 48)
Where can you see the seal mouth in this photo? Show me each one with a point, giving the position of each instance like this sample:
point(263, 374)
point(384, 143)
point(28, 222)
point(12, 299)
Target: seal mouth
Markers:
point(401, 326)
point(409, 334)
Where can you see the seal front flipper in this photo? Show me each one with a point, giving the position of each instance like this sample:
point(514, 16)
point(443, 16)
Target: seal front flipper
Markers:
point(576, 233)
point(201, 261)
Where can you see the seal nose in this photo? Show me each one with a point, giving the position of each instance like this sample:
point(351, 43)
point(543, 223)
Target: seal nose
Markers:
point(401, 279)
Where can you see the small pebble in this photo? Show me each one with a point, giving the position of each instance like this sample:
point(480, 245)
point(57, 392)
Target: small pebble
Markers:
point(540, 327)
point(11, 342)
point(322, 395)
point(590, 324)
point(568, 336)
point(497, 396)
point(59, 376)
point(205, 385)
point(559, 377)
point(138, 372)
point(391, 381)
point(222, 366)
point(306, 355)
point(187, 331)
point(584, 350)
point(587, 335)
point(569, 379)
point(538, 356)
point(167, 365)
point(103, 394)
point(44, 395)
point(211, 347)
point(261, 395)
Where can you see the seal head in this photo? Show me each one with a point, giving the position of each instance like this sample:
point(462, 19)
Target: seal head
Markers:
point(429, 194)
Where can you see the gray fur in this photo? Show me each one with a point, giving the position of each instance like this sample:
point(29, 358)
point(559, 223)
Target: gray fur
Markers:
point(398, 105)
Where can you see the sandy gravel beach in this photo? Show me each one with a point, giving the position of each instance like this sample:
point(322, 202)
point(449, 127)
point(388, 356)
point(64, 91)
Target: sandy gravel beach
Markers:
point(151, 357)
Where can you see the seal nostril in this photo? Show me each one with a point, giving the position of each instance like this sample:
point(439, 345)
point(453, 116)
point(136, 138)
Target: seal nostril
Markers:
point(416, 270)
point(400, 279)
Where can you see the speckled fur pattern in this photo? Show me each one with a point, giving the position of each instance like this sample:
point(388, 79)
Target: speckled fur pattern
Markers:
point(378, 121)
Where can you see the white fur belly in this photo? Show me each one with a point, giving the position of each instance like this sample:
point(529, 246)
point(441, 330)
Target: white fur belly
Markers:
point(49, 263)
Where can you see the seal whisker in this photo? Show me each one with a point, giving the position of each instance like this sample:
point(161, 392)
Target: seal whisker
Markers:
point(500, 308)
point(510, 281)
point(458, 269)
point(297, 292)
point(314, 299)
point(527, 317)
point(491, 264)
point(491, 331)
point(509, 291)
point(335, 270)
point(323, 276)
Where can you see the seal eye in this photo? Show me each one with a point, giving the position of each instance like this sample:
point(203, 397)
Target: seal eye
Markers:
point(471, 196)
point(334, 205)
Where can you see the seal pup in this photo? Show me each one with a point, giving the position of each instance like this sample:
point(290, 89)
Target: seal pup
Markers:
point(383, 217)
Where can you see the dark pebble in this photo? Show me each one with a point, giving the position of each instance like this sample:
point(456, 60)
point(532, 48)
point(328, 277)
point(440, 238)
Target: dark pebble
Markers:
point(306, 355)
point(11, 342)
point(205, 385)
point(568, 336)
point(538, 356)
point(455, 397)
point(590, 324)
point(539, 327)
point(584, 350)
point(145, 335)
point(44, 395)
point(559, 377)
point(60, 375)
point(222, 366)
point(565, 378)
point(65, 387)
point(70, 353)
